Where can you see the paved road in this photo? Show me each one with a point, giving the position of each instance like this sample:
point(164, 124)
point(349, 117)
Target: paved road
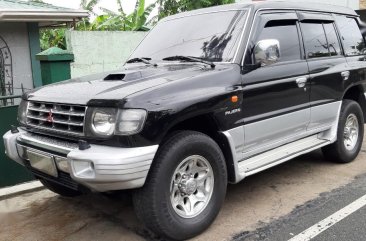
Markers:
point(277, 204)
point(350, 228)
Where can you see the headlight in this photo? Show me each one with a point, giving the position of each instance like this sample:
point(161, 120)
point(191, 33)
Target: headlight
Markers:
point(103, 121)
point(130, 121)
point(108, 121)
point(22, 112)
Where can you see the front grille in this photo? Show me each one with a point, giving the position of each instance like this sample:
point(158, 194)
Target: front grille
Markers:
point(60, 118)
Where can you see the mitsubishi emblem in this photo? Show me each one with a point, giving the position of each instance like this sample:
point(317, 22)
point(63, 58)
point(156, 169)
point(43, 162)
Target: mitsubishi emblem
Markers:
point(50, 117)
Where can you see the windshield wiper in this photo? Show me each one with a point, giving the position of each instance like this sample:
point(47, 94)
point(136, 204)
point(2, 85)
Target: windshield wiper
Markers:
point(142, 60)
point(190, 59)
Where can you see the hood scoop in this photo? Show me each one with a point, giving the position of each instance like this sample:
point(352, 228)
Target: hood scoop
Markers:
point(115, 77)
point(127, 76)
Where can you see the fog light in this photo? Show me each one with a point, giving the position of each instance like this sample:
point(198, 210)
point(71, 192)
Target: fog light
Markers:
point(62, 164)
point(83, 169)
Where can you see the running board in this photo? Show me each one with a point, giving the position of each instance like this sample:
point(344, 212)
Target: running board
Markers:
point(279, 155)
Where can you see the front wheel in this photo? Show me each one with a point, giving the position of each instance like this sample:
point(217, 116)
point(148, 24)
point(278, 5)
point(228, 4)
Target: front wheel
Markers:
point(349, 134)
point(185, 188)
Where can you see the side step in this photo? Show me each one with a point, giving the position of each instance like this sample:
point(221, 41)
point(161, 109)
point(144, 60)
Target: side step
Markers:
point(279, 155)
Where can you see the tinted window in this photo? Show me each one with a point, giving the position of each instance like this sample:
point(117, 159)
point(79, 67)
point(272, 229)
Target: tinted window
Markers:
point(333, 42)
point(211, 36)
point(314, 39)
point(352, 39)
point(286, 33)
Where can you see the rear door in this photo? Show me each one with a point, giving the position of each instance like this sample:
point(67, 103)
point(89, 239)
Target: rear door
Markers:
point(354, 48)
point(275, 97)
point(327, 68)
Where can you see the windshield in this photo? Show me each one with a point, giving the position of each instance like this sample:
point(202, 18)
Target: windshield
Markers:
point(211, 36)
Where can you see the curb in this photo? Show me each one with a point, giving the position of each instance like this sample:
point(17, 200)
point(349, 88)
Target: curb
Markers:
point(8, 192)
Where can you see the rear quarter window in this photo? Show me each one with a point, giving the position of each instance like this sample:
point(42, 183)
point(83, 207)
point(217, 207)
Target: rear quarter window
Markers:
point(353, 41)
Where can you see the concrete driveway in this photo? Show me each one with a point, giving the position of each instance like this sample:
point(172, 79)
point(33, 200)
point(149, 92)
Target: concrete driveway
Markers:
point(249, 205)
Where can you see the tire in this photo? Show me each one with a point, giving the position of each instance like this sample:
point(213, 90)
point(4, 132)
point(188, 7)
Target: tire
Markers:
point(153, 203)
point(59, 189)
point(340, 151)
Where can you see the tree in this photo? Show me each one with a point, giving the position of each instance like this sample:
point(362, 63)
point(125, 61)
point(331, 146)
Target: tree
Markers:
point(89, 5)
point(170, 7)
point(112, 21)
point(53, 38)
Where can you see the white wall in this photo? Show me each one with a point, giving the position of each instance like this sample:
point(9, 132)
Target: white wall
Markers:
point(100, 51)
point(16, 36)
point(354, 4)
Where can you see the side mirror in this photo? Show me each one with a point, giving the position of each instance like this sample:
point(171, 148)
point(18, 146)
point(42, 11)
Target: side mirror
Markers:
point(267, 52)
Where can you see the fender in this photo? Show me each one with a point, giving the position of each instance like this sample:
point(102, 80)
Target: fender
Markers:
point(358, 94)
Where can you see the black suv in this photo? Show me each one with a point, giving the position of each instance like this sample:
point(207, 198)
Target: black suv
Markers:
point(208, 97)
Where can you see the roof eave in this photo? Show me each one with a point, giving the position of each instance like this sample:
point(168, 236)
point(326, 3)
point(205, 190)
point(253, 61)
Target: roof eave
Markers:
point(41, 16)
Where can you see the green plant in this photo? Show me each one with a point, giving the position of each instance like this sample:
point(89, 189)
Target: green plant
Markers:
point(136, 21)
point(89, 5)
point(84, 24)
point(52, 38)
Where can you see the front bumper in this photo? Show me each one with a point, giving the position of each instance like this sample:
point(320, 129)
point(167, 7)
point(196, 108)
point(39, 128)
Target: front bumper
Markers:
point(99, 168)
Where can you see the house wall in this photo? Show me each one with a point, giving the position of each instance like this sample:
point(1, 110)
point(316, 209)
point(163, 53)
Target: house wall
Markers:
point(96, 51)
point(15, 36)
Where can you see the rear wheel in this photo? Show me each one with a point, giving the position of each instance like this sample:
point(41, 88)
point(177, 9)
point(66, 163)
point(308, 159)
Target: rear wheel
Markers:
point(185, 188)
point(349, 134)
point(59, 189)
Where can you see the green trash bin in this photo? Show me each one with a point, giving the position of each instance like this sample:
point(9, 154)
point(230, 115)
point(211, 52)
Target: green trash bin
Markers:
point(55, 65)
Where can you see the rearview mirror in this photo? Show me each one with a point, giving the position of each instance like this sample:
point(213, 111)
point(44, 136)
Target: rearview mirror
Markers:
point(267, 52)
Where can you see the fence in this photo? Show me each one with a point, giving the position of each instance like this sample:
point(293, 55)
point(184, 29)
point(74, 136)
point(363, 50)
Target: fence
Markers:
point(10, 172)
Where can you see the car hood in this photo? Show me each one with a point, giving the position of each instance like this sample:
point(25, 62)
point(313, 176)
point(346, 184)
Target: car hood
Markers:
point(115, 85)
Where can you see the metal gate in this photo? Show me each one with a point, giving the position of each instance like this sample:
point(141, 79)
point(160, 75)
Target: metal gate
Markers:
point(11, 173)
point(6, 74)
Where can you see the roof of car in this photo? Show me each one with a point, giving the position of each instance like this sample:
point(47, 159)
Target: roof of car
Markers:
point(318, 7)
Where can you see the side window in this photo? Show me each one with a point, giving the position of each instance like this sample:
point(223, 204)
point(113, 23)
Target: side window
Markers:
point(285, 31)
point(333, 41)
point(314, 39)
point(351, 36)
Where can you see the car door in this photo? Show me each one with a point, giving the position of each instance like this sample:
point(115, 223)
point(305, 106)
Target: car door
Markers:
point(354, 49)
point(275, 97)
point(327, 69)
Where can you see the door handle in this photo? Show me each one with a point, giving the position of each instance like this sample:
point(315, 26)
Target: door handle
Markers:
point(345, 75)
point(301, 82)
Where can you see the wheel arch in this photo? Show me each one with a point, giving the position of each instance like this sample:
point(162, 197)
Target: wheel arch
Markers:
point(357, 93)
point(206, 124)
